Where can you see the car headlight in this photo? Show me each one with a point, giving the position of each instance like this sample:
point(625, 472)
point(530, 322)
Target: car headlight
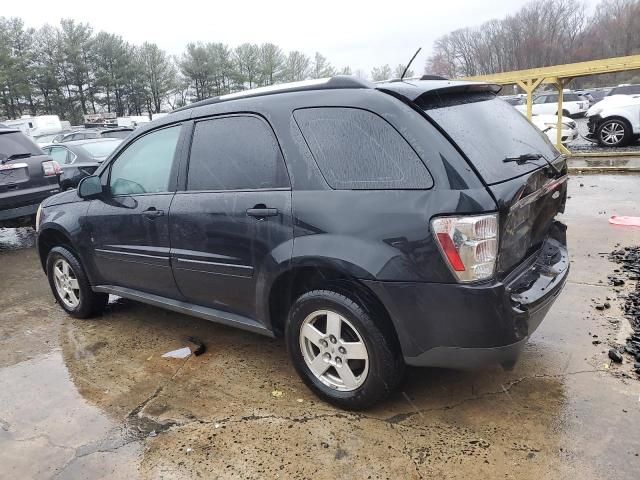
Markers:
point(38, 217)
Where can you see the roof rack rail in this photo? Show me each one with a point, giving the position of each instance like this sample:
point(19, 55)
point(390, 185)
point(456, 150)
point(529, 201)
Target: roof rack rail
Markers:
point(331, 83)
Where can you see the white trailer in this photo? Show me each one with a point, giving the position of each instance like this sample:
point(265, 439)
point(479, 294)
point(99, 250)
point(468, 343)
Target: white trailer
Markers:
point(35, 126)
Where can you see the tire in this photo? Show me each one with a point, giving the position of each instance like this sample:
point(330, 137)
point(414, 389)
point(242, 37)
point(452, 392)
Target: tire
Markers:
point(372, 378)
point(72, 290)
point(613, 132)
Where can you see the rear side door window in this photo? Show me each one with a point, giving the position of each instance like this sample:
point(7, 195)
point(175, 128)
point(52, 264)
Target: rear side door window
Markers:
point(145, 165)
point(356, 149)
point(235, 153)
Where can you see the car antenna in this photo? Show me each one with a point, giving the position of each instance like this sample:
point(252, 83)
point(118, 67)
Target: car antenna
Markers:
point(406, 69)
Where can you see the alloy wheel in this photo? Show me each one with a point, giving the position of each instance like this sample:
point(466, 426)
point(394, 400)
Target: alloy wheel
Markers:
point(66, 283)
point(612, 133)
point(334, 350)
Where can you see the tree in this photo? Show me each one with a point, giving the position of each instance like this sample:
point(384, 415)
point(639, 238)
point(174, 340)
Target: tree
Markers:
point(159, 73)
point(297, 67)
point(379, 74)
point(195, 66)
point(400, 69)
point(272, 63)
point(321, 67)
point(247, 61)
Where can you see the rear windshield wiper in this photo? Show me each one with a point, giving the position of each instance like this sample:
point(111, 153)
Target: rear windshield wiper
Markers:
point(15, 156)
point(531, 157)
point(524, 158)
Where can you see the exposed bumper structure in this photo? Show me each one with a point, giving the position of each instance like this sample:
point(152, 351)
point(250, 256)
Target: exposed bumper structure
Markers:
point(466, 326)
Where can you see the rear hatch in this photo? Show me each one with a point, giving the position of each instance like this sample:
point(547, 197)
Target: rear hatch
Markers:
point(529, 192)
point(22, 177)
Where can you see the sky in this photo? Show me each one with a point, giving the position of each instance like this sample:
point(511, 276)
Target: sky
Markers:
point(354, 33)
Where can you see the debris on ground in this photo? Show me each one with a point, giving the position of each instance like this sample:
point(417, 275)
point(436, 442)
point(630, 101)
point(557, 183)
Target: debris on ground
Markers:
point(200, 347)
point(615, 355)
point(276, 393)
point(183, 352)
point(629, 259)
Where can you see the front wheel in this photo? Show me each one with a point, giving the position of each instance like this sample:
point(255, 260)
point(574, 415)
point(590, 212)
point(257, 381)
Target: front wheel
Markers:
point(70, 285)
point(613, 133)
point(341, 353)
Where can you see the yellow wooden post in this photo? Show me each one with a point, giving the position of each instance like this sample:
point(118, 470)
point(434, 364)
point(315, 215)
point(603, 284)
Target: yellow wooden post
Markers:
point(529, 86)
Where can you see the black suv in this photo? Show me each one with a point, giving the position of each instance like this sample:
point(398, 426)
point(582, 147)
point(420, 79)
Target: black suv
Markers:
point(372, 225)
point(27, 176)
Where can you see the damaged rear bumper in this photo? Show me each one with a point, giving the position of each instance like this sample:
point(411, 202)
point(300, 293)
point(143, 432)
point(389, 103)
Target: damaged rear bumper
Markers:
point(467, 326)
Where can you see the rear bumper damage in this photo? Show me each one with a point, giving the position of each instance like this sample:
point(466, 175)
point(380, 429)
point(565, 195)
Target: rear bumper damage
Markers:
point(467, 326)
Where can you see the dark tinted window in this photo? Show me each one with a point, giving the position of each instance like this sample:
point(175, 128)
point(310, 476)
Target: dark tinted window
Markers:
point(572, 97)
point(358, 150)
point(17, 142)
point(488, 131)
point(235, 153)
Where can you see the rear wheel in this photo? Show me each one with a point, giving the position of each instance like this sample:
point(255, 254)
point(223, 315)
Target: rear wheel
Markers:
point(70, 285)
point(341, 353)
point(613, 133)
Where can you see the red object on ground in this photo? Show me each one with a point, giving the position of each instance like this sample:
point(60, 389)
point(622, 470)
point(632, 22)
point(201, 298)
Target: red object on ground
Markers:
point(628, 221)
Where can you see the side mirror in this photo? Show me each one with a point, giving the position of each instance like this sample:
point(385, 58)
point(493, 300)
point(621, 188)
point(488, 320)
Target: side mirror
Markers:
point(90, 187)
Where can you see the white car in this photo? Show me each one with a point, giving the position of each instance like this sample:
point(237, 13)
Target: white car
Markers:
point(615, 121)
point(573, 105)
point(547, 124)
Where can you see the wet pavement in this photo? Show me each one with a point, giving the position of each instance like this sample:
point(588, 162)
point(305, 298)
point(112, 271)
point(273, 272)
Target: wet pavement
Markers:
point(94, 399)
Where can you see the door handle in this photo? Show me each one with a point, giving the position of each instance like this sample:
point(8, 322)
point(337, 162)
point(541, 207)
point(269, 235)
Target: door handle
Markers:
point(260, 211)
point(152, 213)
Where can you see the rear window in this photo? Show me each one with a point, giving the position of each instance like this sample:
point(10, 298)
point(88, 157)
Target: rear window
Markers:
point(358, 150)
point(572, 97)
point(17, 142)
point(488, 131)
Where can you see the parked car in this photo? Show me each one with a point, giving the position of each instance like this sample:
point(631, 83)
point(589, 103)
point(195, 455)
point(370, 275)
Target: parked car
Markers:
point(547, 104)
point(48, 138)
point(27, 176)
point(116, 132)
point(615, 121)
point(373, 225)
point(625, 90)
point(80, 158)
point(548, 124)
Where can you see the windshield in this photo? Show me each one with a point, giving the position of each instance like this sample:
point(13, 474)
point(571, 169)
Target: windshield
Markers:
point(17, 142)
point(100, 149)
point(489, 130)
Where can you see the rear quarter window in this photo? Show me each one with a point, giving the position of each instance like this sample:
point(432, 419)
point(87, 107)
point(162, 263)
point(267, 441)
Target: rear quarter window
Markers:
point(358, 150)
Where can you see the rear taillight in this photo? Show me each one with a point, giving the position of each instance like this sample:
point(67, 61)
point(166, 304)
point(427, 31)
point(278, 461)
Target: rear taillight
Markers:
point(51, 168)
point(469, 244)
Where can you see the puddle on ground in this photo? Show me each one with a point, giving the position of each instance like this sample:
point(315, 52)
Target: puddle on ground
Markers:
point(42, 416)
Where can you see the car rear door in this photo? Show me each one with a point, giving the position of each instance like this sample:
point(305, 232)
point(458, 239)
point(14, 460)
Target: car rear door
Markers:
point(128, 225)
point(231, 220)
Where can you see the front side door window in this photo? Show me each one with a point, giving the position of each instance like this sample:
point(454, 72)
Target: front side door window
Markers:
point(145, 165)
